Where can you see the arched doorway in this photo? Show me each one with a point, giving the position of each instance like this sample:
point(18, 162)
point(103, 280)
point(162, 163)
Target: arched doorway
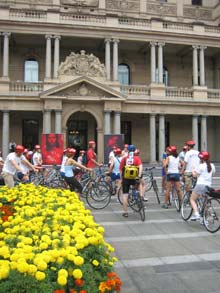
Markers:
point(81, 127)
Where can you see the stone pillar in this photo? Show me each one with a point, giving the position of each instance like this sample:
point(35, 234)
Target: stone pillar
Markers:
point(117, 122)
point(48, 57)
point(5, 133)
point(153, 62)
point(195, 65)
point(204, 133)
point(6, 55)
point(195, 130)
point(115, 59)
point(179, 8)
point(161, 135)
point(58, 121)
point(47, 121)
point(202, 65)
point(143, 6)
point(108, 58)
point(100, 145)
point(152, 138)
point(102, 4)
point(160, 62)
point(56, 56)
point(107, 118)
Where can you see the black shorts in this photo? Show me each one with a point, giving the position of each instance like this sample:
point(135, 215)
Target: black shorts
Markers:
point(126, 183)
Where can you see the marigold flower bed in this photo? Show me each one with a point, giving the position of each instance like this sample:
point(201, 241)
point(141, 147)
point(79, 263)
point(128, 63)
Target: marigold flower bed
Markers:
point(49, 241)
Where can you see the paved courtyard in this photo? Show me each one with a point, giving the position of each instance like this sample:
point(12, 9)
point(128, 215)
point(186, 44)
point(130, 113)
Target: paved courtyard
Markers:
point(164, 254)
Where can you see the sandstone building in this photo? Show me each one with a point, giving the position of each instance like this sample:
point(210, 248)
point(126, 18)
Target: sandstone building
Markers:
point(149, 69)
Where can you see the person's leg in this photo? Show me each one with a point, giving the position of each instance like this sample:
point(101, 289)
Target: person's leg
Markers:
point(179, 191)
point(167, 194)
point(8, 179)
point(193, 198)
point(125, 190)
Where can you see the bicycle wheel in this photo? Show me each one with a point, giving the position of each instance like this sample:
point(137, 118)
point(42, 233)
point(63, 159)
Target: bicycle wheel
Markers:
point(176, 199)
point(140, 205)
point(186, 209)
point(120, 195)
point(98, 197)
point(156, 190)
point(211, 215)
point(132, 202)
point(148, 182)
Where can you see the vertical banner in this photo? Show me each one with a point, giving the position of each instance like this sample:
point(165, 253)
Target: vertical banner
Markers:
point(52, 148)
point(111, 140)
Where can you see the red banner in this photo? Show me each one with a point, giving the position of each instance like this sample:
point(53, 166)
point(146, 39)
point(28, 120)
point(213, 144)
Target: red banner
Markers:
point(52, 148)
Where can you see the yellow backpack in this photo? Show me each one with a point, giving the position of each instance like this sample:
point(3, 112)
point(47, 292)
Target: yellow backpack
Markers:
point(130, 172)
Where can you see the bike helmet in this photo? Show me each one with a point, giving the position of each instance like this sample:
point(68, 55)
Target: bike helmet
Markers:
point(117, 151)
point(131, 148)
point(25, 151)
point(82, 152)
point(64, 151)
point(19, 148)
point(91, 142)
point(173, 149)
point(37, 147)
point(71, 151)
point(190, 143)
point(137, 152)
point(204, 155)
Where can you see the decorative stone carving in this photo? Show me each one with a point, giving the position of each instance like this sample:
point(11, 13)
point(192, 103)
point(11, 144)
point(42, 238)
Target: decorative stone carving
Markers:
point(92, 3)
point(82, 64)
point(123, 5)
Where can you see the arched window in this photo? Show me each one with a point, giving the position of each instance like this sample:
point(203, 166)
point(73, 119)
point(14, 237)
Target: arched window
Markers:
point(31, 70)
point(124, 74)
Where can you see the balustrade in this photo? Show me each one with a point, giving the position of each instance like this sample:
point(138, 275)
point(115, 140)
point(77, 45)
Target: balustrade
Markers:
point(213, 94)
point(179, 92)
point(27, 87)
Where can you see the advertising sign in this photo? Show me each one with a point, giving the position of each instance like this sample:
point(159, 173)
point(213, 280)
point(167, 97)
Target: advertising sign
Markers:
point(52, 148)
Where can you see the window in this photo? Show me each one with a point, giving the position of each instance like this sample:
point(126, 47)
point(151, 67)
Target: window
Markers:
point(31, 70)
point(197, 2)
point(124, 74)
point(126, 130)
point(30, 133)
point(165, 76)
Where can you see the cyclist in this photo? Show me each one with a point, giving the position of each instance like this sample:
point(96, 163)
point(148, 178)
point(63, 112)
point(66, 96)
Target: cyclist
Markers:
point(191, 161)
point(204, 173)
point(69, 170)
point(24, 175)
point(114, 168)
point(12, 165)
point(130, 160)
point(37, 156)
point(64, 158)
point(142, 182)
point(164, 170)
point(124, 152)
point(91, 156)
point(173, 174)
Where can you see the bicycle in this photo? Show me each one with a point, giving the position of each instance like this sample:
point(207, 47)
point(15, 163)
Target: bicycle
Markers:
point(186, 209)
point(150, 182)
point(135, 201)
point(209, 209)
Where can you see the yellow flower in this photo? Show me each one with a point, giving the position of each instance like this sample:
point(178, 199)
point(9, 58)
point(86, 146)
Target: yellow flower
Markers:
point(62, 280)
point(77, 274)
point(95, 262)
point(63, 272)
point(40, 276)
point(78, 260)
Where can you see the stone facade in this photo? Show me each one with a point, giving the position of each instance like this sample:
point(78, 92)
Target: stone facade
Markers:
point(171, 51)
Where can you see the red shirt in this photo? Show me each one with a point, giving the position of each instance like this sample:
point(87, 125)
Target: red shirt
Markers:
point(91, 155)
point(136, 162)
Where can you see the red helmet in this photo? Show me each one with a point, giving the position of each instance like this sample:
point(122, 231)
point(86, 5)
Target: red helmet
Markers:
point(126, 145)
point(82, 152)
point(64, 151)
point(204, 155)
point(190, 143)
point(25, 151)
point(173, 149)
point(117, 151)
point(71, 151)
point(19, 148)
point(137, 152)
point(91, 142)
point(37, 147)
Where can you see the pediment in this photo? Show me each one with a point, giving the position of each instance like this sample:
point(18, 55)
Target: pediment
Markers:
point(82, 87)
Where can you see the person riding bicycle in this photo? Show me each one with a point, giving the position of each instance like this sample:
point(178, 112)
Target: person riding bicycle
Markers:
point(129, 178)
point(114, 168)
point(91, 156)
point(204, 173)
point(191, 160)
point(172, 163)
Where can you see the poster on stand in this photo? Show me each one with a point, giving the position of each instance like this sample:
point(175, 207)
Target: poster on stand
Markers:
point(111, 140)
point(52, 148)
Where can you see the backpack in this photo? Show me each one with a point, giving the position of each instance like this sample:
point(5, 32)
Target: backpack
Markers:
point(130, 171)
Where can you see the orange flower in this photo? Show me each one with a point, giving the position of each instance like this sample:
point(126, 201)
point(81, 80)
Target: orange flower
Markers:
point(79, 282)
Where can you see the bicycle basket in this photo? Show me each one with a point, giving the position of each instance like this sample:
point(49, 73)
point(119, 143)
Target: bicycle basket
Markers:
point(214, 192)
point(130, 172)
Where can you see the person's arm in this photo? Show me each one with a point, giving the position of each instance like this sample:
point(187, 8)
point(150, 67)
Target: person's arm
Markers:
point(13, 162)
point(111, 165)
point(140, 170)
point(27, 163)
point(75, 163)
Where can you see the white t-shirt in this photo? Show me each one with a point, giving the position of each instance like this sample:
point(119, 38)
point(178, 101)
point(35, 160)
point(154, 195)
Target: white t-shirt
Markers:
point(25, 169)
point(37, 157)
point(205, 177)
point(192, 160)
point(173, 165)
point(62, 168)
point(8, 166)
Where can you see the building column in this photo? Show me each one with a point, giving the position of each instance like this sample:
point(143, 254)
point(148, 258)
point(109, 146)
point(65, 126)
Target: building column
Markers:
point(195, 130)
point(6, 55)
point(204, 133)
point(115, 59)
point(48, 57)
point(108, 58)
point(153, 62)
point(161, 135)
point(107, 118)
point(160, 62)
point(5, 133)
point(47, 121)
point(56, 55)
point(202, 65)
point(143, 6)
point(117, 122)
point(102, 4)
point(152, 138)
point(58, 121)
point(195, 65)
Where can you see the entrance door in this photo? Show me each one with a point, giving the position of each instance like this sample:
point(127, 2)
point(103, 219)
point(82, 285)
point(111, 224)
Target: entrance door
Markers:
point(77, 134)
point(30, 133)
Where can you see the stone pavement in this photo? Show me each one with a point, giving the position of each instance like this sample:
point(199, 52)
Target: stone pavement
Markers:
point(164, 254)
